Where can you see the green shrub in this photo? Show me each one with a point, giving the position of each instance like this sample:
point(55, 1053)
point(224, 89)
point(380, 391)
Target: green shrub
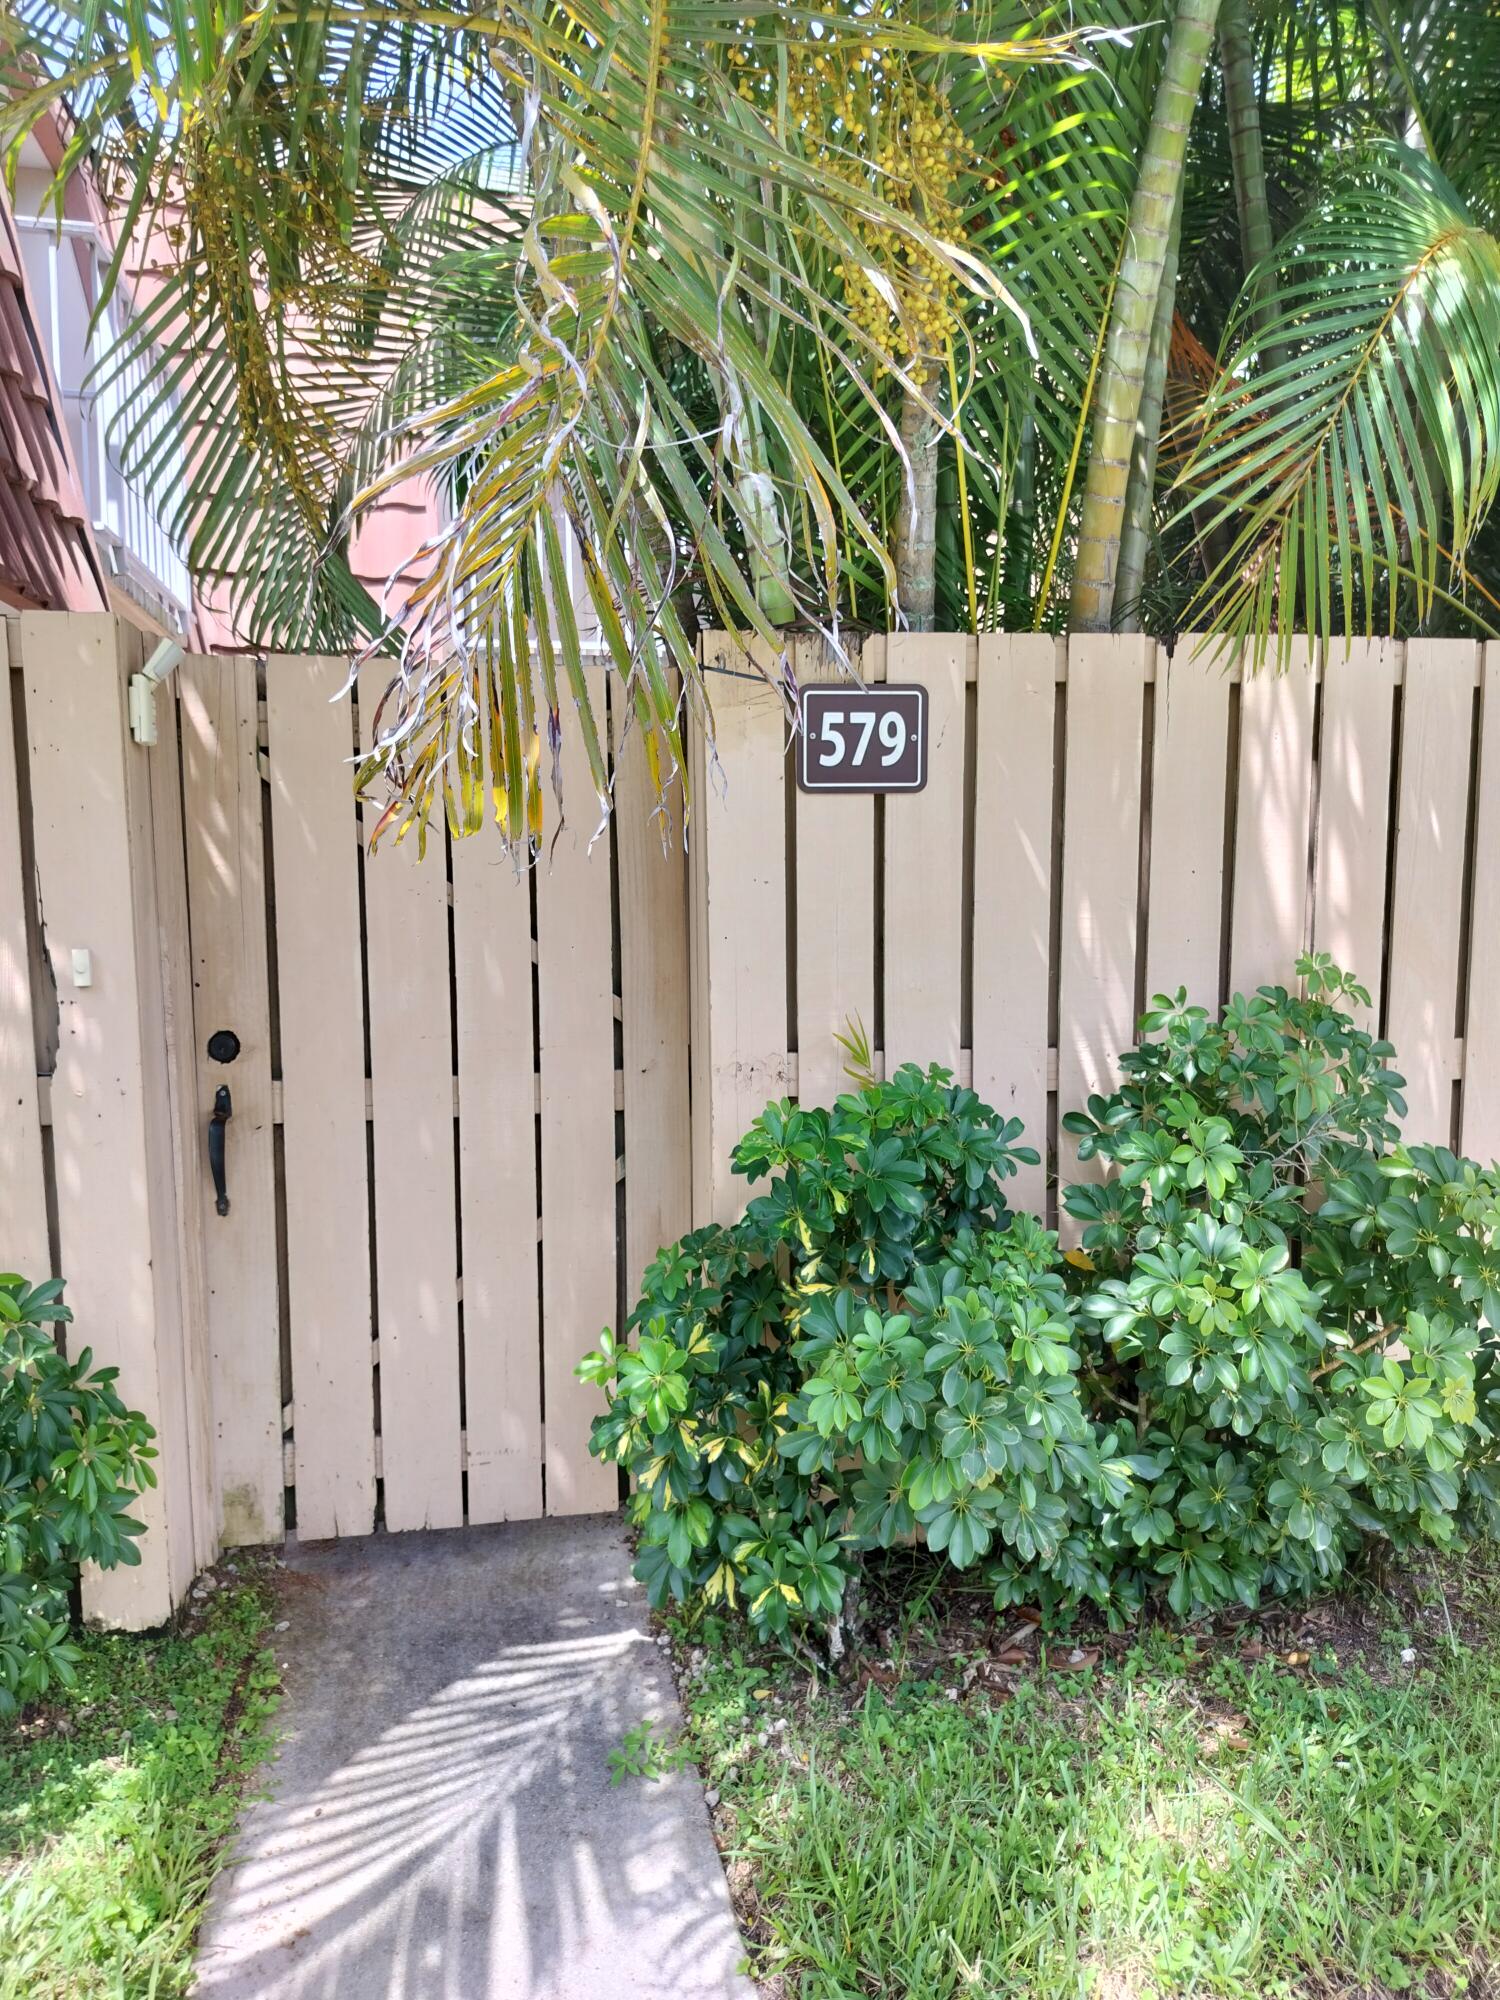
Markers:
point(1270, 1348)
point(782, 1405)
point(72, 1458)
point(1294, 1308)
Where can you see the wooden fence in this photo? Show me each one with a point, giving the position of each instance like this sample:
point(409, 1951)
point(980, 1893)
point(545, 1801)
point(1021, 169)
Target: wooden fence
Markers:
point(1102, 821)
point(464, 1114)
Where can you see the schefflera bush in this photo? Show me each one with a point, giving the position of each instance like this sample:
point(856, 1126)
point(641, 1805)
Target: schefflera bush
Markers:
point(1293, 1309)
point(73, 1460)
point(1272, 1346)
point(878, 1348)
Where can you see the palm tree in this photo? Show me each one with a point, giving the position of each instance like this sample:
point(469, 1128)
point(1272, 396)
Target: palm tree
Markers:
point(1338, 474)
point(820, 316)
point(1347, 463)
point(569, 264)
point(1133, 313)
point(1237, 513)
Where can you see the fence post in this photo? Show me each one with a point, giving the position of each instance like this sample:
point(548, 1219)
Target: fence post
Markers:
point(120, 1163)
point(23, 1196)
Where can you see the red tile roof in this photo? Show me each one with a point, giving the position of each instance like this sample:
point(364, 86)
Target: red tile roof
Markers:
point(47, 554)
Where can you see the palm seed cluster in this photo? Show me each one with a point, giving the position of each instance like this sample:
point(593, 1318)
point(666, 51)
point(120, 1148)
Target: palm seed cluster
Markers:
point(867, 116)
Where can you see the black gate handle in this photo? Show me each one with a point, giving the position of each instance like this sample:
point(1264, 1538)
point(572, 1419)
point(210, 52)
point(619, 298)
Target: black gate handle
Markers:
point(223, 1111)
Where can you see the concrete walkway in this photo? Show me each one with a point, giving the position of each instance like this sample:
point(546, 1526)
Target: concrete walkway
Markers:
point(442, 1826)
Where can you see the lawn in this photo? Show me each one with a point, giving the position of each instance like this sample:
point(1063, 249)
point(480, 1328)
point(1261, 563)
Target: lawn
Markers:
point(1305, 1805)
point(116, 1797)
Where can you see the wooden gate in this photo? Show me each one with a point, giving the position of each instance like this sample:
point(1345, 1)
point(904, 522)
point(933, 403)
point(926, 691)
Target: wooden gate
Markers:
point(457, 1102)
point(459, 1118)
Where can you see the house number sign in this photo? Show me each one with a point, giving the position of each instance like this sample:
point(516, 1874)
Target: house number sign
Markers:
point(857, 739)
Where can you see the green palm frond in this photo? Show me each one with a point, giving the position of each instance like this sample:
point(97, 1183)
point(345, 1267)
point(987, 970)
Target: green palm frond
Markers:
point(357, 295)
point(1367, 457)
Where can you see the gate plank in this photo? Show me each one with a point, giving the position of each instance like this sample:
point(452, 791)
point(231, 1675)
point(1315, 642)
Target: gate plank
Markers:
point(161, 950)
point(1101, 876)
point(1012, 914)
point(116, 1245)
point(323, 1092)
point(416, 1223)
point(170, 1041)
point(227, 902)
point(23, 1194)
point(1481, 1093)
point(1354, 805)
point(740, 967)
point(576, 987)
point(497, 1181)
point(1188, 793)
point(835, 906)
point(652, 869)
point(924, 865)
point(1427, 900)
point(1268, 923)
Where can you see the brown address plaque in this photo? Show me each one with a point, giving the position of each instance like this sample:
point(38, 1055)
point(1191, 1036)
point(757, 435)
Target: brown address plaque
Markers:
point(857, 739)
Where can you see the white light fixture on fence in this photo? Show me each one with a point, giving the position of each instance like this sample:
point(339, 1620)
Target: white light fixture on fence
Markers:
point(142, 690)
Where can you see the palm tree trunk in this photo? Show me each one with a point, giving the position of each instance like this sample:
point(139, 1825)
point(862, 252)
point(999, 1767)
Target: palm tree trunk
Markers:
point(916, 514)
point(1242, 106)
point(1133, 312)
point(1140, 494)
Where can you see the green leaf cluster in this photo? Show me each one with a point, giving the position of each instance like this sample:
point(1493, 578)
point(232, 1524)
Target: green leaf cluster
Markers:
point(73, 1459)
point(870, 1353)
point(1292, 1308)
point(878, 1350)
point(1272, 1346)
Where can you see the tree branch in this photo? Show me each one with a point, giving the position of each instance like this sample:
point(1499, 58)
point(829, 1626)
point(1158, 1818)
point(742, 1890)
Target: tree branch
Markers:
point(1348, 1353)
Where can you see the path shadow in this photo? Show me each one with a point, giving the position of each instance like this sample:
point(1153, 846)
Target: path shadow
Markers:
point(442, 1825)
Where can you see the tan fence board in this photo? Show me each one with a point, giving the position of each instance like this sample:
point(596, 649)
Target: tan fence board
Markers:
point(1012, 914)
point(578, 1133)
point(652, 870)
point(741, 1032)
point(498, 1182)
point(924, 865)
point(1269, 921)
point(227, 898)
point(171, 1087)
point(1188, 793)
point(835, 907)
point(149, 774)
point(1101, 875)
point(323, 1078)
point(1481, 1094)
point(1427, 900)
point(23, 1192)
point(1354, 805)
point(700, 1066)
point(416, 1222)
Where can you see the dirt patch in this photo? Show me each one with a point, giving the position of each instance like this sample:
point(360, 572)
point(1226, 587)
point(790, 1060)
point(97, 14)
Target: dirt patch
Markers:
point(955, 1646)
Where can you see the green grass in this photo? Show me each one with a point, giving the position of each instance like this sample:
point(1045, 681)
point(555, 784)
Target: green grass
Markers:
point(1173, 1821)
point(115, 1801)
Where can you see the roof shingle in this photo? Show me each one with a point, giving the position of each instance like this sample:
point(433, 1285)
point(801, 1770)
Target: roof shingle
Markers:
point(47, 554)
